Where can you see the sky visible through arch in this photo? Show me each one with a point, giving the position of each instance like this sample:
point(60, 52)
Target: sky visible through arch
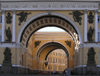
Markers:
point(51, 29)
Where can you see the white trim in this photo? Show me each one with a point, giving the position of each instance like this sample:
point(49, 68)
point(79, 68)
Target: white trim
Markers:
point(84, 66)
point(13, 27)
point(3, 26)
point(0, 65)
point(19, 66)
point(9, 45)
point(80, 66)
point(85, 25)
point(98, 65)
point(44, 14)
point(96, 26)
point(91, 45)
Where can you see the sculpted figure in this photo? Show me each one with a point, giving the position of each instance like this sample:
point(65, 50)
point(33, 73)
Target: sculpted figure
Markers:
point(8, 18)
point(91, 56)
point(7, 54)
point(23, 16)
point(8, 34)
point(90, 34)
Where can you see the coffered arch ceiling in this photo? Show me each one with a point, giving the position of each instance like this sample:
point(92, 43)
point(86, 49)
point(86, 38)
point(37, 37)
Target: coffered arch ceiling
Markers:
point(48, 20)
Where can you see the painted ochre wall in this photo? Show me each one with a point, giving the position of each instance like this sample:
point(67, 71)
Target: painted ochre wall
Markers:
point(34, 13)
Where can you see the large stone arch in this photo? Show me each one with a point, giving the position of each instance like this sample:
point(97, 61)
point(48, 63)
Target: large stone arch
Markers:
point(47, 19)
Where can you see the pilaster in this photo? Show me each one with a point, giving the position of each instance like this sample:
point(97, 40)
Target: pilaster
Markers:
point(96, 26)
point(13, 26)
point(3, 25)
point(85, 25)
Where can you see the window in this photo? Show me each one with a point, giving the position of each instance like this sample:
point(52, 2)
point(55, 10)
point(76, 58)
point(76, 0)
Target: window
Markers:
point(56, 60)
point(53, 53)
point(51, 66)
point(0, 38)
point(99, 36)
point(48, 67)
point(99, 58)
point(98, 19)
point(56, 54)
point(0, 19)
point(51, 60)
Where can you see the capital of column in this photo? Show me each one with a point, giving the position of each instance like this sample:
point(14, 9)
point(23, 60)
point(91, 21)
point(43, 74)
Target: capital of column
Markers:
point(96, 11)
point(81, 45)
point(14, 11)
point(85, 11)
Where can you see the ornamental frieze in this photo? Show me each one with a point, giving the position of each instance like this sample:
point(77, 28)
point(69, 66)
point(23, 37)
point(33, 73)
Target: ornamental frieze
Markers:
point(47, 5)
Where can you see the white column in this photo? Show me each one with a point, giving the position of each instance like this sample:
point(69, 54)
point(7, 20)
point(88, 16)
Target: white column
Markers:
point(3, 26)
point(13, 26)
point(85, 25)
point(96, 26)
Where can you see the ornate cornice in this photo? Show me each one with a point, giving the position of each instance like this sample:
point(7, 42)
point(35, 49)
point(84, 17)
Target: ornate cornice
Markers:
point(49, 5)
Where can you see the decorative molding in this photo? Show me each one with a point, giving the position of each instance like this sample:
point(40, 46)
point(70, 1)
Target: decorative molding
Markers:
point(37, 43)
point(23, 16)
point(9, 18)
point(90, 17)
point(68, 43)
point(48, 5)
point(77, 16)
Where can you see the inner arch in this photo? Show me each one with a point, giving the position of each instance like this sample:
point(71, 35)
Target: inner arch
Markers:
point(55, 45)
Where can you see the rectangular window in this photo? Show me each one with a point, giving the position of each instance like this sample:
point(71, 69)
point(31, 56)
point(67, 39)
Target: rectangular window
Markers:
point(0, 19)
point(51, 60)
point(53, 53)
point(99, 58)
point(0, 38)
point(98, 36)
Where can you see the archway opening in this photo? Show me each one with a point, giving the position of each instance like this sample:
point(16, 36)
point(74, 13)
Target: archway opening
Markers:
point(39, 46)
point(45, 40)
point(57, 61)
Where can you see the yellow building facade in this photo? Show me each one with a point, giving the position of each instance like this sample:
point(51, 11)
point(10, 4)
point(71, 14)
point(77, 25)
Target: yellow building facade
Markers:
point(57, 61)
point(21, 19)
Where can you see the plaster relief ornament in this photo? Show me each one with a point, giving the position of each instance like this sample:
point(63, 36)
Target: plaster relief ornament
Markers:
point(90, 18)
point(77, 16)
point(8, 18)
point(37, 43)
point(23, 16)
point(68, 43)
